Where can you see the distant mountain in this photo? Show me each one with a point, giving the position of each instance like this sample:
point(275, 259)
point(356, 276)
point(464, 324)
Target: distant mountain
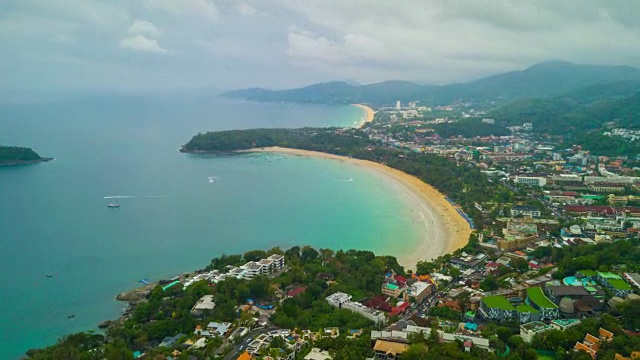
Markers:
point(540, 80)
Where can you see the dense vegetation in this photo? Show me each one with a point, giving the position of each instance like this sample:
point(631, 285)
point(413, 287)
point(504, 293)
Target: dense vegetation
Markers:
point(545, 79)
point(576, 112)
point(465, 184)
point(15, 154)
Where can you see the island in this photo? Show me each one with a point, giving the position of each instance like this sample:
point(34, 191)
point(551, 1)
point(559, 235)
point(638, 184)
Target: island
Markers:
point(15, 155)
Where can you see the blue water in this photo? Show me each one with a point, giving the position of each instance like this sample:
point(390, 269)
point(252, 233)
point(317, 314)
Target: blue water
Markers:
point(54, 219)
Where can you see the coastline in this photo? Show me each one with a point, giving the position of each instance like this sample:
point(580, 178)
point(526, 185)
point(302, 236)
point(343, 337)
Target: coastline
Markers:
point(444, 229)
point(369, 114)
point(22, 162)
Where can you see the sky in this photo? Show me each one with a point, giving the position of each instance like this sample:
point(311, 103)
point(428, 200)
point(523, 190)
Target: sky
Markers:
point(149, 45)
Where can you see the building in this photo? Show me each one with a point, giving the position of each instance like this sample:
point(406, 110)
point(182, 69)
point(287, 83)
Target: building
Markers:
point(398, 105)
point(530, 180)
point(529, 330)
point(615, 283)
point(317, 354)
point(537, 299)
point(632, 278)
point(421, 290)
point(518, 234)
point(591, 344)
point(343, 301)
point(389, 350)
point(203, 304)
point(564, 324)
point(496, 307)
point(525, 210)
point(391, 289)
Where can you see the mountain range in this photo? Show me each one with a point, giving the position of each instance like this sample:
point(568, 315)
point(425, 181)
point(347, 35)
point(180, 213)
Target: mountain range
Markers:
point(541, 80)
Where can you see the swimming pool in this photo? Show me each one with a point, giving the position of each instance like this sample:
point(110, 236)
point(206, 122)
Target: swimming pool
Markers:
point(574, 281)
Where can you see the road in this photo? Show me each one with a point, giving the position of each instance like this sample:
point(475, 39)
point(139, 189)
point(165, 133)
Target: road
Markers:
point(240, 347)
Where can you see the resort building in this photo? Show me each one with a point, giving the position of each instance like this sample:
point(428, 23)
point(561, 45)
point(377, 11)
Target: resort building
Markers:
point(529, 330)
point(518, 234)
point(615, 283)
point(391, 289)
point(537, 299)
point(317, 354)
point(389, 350)
point(530, 180)
point(496, 307)
point(203, 304)
point(632, 278)
point(420, 291)
point(527, 313)
point(591, 344)
point(248, 271)
point(525, 210)
point(343, 301)
point(564, 324)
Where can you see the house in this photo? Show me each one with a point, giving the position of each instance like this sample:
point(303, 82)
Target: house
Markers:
point(295, 292)
point(245, 356)
point(218, 329)
point(391, 289)
point(525, 210)
point(421, 290)
point(203, 304)
point(389, 350)
point(492, 267)
point(317, 354)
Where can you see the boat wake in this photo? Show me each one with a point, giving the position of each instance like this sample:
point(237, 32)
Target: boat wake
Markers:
point(345, 179)
point(119, 197)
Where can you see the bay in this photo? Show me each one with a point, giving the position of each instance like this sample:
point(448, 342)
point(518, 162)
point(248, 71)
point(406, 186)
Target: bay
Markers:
point(54, 219)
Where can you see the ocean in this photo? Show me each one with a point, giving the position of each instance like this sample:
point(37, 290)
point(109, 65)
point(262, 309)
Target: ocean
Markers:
point(173, 218)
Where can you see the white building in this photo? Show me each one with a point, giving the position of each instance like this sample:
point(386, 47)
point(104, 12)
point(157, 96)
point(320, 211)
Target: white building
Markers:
point(398, 105)
point(204, 303)
point(317, 354)
point(530, 180)
point(343, 301)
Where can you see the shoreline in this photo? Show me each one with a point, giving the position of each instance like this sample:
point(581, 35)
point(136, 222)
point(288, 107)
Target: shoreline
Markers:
point(23, 162)
point(444, 229)
point(369, 114)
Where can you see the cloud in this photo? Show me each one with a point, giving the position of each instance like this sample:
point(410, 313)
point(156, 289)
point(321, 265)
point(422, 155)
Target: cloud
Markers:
point(142, 43)
point(191, 8)
point(285, 43)
point(142, 27)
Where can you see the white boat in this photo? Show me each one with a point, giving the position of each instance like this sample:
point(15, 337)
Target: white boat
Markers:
point(115, 204)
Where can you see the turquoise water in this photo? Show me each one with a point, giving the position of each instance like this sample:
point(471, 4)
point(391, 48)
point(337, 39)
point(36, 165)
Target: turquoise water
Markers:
point(54, 219)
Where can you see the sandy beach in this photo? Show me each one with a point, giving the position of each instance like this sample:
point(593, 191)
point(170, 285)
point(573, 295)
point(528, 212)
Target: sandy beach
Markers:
point(368, 114)
point(444, 229)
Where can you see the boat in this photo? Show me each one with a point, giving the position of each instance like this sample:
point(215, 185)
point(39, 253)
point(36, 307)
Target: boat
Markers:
point(71, 316)
point(49, 275)
point(115, 204)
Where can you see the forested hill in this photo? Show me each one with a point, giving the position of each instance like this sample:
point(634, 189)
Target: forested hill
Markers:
point(583, 110)
point(540, 80)
point(14, 155)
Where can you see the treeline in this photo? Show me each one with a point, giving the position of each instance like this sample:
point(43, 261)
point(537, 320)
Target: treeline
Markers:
point(10, 154)
point(463, 183)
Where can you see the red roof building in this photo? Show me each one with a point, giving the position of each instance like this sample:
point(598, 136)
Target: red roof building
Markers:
point(296, 292)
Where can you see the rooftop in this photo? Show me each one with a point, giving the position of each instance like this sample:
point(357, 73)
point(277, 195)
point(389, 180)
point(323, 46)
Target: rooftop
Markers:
point(619, 284)
point(535, 326)
point(497, 301)
point(536, 295)
point(390, 347)
point(526, 308)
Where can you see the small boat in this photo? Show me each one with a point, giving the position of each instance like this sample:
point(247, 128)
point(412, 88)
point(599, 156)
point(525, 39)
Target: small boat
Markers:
point(114, 204)
point(71, 316)
point(49, 275)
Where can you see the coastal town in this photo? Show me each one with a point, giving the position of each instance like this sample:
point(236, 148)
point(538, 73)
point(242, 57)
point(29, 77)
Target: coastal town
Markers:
point(548, 267)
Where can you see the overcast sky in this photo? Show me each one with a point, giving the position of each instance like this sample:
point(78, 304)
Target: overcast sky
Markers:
point(136, 45)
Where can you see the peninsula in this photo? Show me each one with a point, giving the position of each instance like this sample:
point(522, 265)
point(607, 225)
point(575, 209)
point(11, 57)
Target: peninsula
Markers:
point(14, 155)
